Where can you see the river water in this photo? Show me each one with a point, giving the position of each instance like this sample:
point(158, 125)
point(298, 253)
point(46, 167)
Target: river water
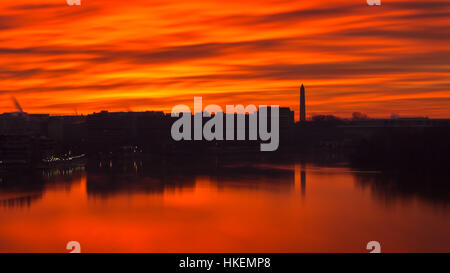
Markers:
point(283, 207)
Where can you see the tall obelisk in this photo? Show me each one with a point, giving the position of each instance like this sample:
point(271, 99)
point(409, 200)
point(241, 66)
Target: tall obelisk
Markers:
point(302, 104)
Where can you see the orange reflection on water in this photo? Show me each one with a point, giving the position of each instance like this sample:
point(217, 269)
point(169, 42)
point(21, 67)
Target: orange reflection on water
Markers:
point(315, 209)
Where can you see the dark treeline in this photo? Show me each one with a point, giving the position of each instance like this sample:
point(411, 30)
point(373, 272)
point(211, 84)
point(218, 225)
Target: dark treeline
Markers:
point(422, 149)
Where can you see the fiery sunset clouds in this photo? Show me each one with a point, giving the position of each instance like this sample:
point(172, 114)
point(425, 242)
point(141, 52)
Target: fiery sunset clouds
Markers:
point(151, 55)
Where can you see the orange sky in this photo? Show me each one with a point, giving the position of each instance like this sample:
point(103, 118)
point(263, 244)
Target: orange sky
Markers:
point(139, 55)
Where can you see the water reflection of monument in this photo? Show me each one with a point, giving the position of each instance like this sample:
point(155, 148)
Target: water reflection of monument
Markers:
point(300, 178)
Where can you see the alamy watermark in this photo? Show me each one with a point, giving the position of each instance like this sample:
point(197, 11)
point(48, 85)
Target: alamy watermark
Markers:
point(213, 129)
point(73, 2)
point(374, 2)
point(374, 246)
point(74, 246)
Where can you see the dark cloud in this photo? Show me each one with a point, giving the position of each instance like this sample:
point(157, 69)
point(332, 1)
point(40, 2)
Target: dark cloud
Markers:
point(104, 54)
point(38, 6)
point(414, 32)
point(44, 15)
point(104, 86)
point(418, 5)
point(420, 9)
point(431, 62)
point(36, 72)
point(9, 22)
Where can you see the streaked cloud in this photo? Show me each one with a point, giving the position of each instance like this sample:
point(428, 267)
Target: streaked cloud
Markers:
point(139, 55)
